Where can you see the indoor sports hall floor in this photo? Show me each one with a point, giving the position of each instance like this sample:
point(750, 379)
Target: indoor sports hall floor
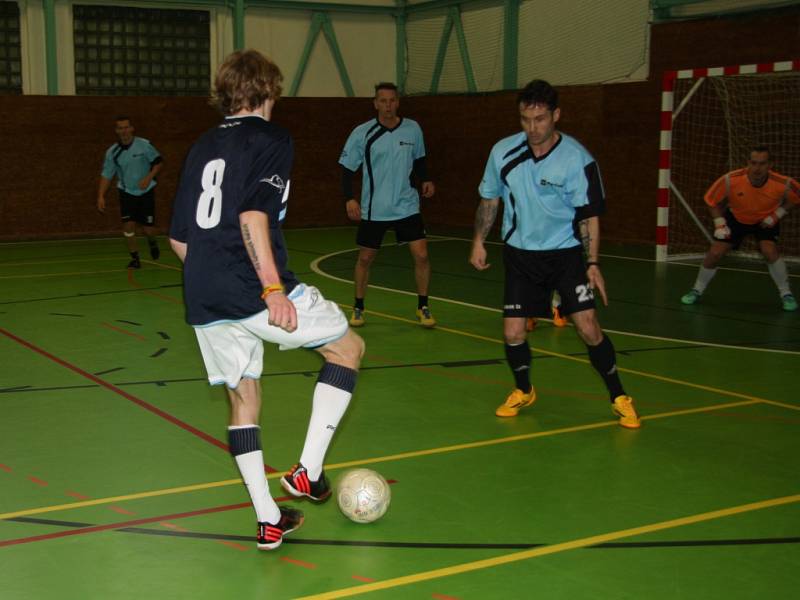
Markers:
point(115, 481)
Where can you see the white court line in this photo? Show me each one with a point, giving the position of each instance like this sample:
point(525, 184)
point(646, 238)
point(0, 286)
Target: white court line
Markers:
point(316, 269)
point(633, 258)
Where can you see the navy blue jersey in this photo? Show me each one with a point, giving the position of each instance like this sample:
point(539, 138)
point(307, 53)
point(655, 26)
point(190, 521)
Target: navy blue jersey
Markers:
point(243, 164)
point(387, 157)
point(543, 197)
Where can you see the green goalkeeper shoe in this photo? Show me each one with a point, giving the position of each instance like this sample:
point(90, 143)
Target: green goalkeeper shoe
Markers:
point(789, 303)
point(691, 297)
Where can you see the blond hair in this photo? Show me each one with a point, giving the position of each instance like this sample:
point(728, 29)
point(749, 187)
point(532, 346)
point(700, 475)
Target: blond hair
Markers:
point(244, 81)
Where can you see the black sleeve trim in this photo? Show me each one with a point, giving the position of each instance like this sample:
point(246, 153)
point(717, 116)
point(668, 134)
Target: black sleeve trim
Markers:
point(594, 192)
point(156, 161)
point(347, 183)
point(420, 169)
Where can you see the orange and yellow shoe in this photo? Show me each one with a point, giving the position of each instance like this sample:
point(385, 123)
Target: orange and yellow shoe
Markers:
point(530, 324)
point(623, 408)
point(515, 401)
point(425, 317)
point(558, 320)
point(357, 318)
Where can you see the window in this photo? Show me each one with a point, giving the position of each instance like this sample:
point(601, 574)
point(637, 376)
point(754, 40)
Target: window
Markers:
point(10, 62)
point(123, 51)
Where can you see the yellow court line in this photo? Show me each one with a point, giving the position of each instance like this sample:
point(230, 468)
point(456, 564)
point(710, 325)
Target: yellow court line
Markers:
point(782, 404)
point(366, 461)
point(60, 274)
point(552, 549)
point(99, 501)
point(646, 374)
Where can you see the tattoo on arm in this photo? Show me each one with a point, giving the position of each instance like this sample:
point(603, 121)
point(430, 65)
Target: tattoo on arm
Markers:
point(250, 246)
point(586, 237)
point(484, 218)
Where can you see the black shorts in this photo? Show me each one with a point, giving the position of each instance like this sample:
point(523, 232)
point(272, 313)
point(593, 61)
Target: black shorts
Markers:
point(410, 229)
point(140, 209)
point(533, 275)
point(739, 231)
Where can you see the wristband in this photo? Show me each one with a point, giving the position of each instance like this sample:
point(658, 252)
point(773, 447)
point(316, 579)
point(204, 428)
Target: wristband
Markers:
point(273, 287)
point(780, 212)
point(720, 222)
point(592, 263)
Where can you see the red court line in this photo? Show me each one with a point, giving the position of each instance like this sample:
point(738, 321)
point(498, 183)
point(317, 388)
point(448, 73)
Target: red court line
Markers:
point(299, 563)
point(37, 481)
point(110, 386)
point(6, 468)
point(233, 545)
point(96, 528)
point(121, 330)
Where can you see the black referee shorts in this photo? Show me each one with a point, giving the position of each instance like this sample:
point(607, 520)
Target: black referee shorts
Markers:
point(140, 209)
point(532, 275)
point(370, 233)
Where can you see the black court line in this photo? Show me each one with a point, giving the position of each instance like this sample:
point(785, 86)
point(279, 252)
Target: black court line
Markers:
point(164, 335)
point(129, 322)
point(423, 545)
point(314, 372)
point(158, 352)
point(107, 371)
point(65, 315)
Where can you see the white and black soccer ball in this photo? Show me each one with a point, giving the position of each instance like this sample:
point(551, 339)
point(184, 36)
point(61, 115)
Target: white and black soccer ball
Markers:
point(363, 495)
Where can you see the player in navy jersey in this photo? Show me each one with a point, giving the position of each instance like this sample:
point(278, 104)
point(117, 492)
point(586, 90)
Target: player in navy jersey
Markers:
point(135, 162)
point(552, 197)
point(389, 150)
point(232, 197)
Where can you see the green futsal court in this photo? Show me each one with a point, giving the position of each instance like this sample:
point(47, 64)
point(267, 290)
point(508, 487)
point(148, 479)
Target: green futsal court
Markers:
point(115, 481)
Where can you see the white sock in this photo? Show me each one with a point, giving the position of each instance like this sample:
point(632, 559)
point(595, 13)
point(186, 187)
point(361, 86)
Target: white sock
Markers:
point(251, 467)
point(328, 408)
point(780, 276)
point(704, 277)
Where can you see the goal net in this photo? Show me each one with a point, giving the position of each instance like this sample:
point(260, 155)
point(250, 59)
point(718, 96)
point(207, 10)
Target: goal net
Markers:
point(711, 118)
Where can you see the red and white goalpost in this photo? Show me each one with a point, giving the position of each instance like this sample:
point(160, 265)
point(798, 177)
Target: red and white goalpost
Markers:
point(710, 118)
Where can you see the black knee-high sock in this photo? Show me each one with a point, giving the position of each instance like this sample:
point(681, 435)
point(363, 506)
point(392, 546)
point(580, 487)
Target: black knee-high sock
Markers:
point(604, 360)
point(519, 359)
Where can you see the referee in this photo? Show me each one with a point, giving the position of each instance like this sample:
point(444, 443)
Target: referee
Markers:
point(135, 162)
point(390, 151)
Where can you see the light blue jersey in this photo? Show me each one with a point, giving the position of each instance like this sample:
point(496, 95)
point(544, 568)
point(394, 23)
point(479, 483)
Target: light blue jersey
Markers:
point(130, 164)
point(387, 157)
point(541, 196)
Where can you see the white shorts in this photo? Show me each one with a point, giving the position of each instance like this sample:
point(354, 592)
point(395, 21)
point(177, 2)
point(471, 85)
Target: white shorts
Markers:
point(234, 349)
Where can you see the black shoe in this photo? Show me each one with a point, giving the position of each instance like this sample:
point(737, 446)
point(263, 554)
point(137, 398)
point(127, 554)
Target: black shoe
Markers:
point(134, 264)
point(154, 251)
point(297, 483)
point(270, 536)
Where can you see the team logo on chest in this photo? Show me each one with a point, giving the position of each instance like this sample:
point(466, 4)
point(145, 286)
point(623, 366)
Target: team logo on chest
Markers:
point(276, 182)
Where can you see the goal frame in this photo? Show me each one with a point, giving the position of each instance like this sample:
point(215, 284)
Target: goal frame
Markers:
point(668, 115)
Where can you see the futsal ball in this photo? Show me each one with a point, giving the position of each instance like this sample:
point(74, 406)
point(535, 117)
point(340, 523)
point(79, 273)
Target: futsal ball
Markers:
point(363, 495)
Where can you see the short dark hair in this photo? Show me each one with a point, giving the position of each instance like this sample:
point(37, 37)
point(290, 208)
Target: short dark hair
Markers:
point(122, 118)
point(385, 85)
point(760, 148)
point(536, 92)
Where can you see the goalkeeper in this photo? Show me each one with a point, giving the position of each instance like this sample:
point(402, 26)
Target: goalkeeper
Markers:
point(749, 201)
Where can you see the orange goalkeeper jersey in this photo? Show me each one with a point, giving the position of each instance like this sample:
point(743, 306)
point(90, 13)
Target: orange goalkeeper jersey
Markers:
point(750, 204)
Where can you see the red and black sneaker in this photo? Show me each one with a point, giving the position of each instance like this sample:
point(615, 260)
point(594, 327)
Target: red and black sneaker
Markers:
point(270, 536)
point(297, 483)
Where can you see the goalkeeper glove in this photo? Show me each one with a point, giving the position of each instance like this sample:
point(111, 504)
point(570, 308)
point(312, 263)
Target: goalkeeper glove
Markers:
point(773, 219)
point(721, 229)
